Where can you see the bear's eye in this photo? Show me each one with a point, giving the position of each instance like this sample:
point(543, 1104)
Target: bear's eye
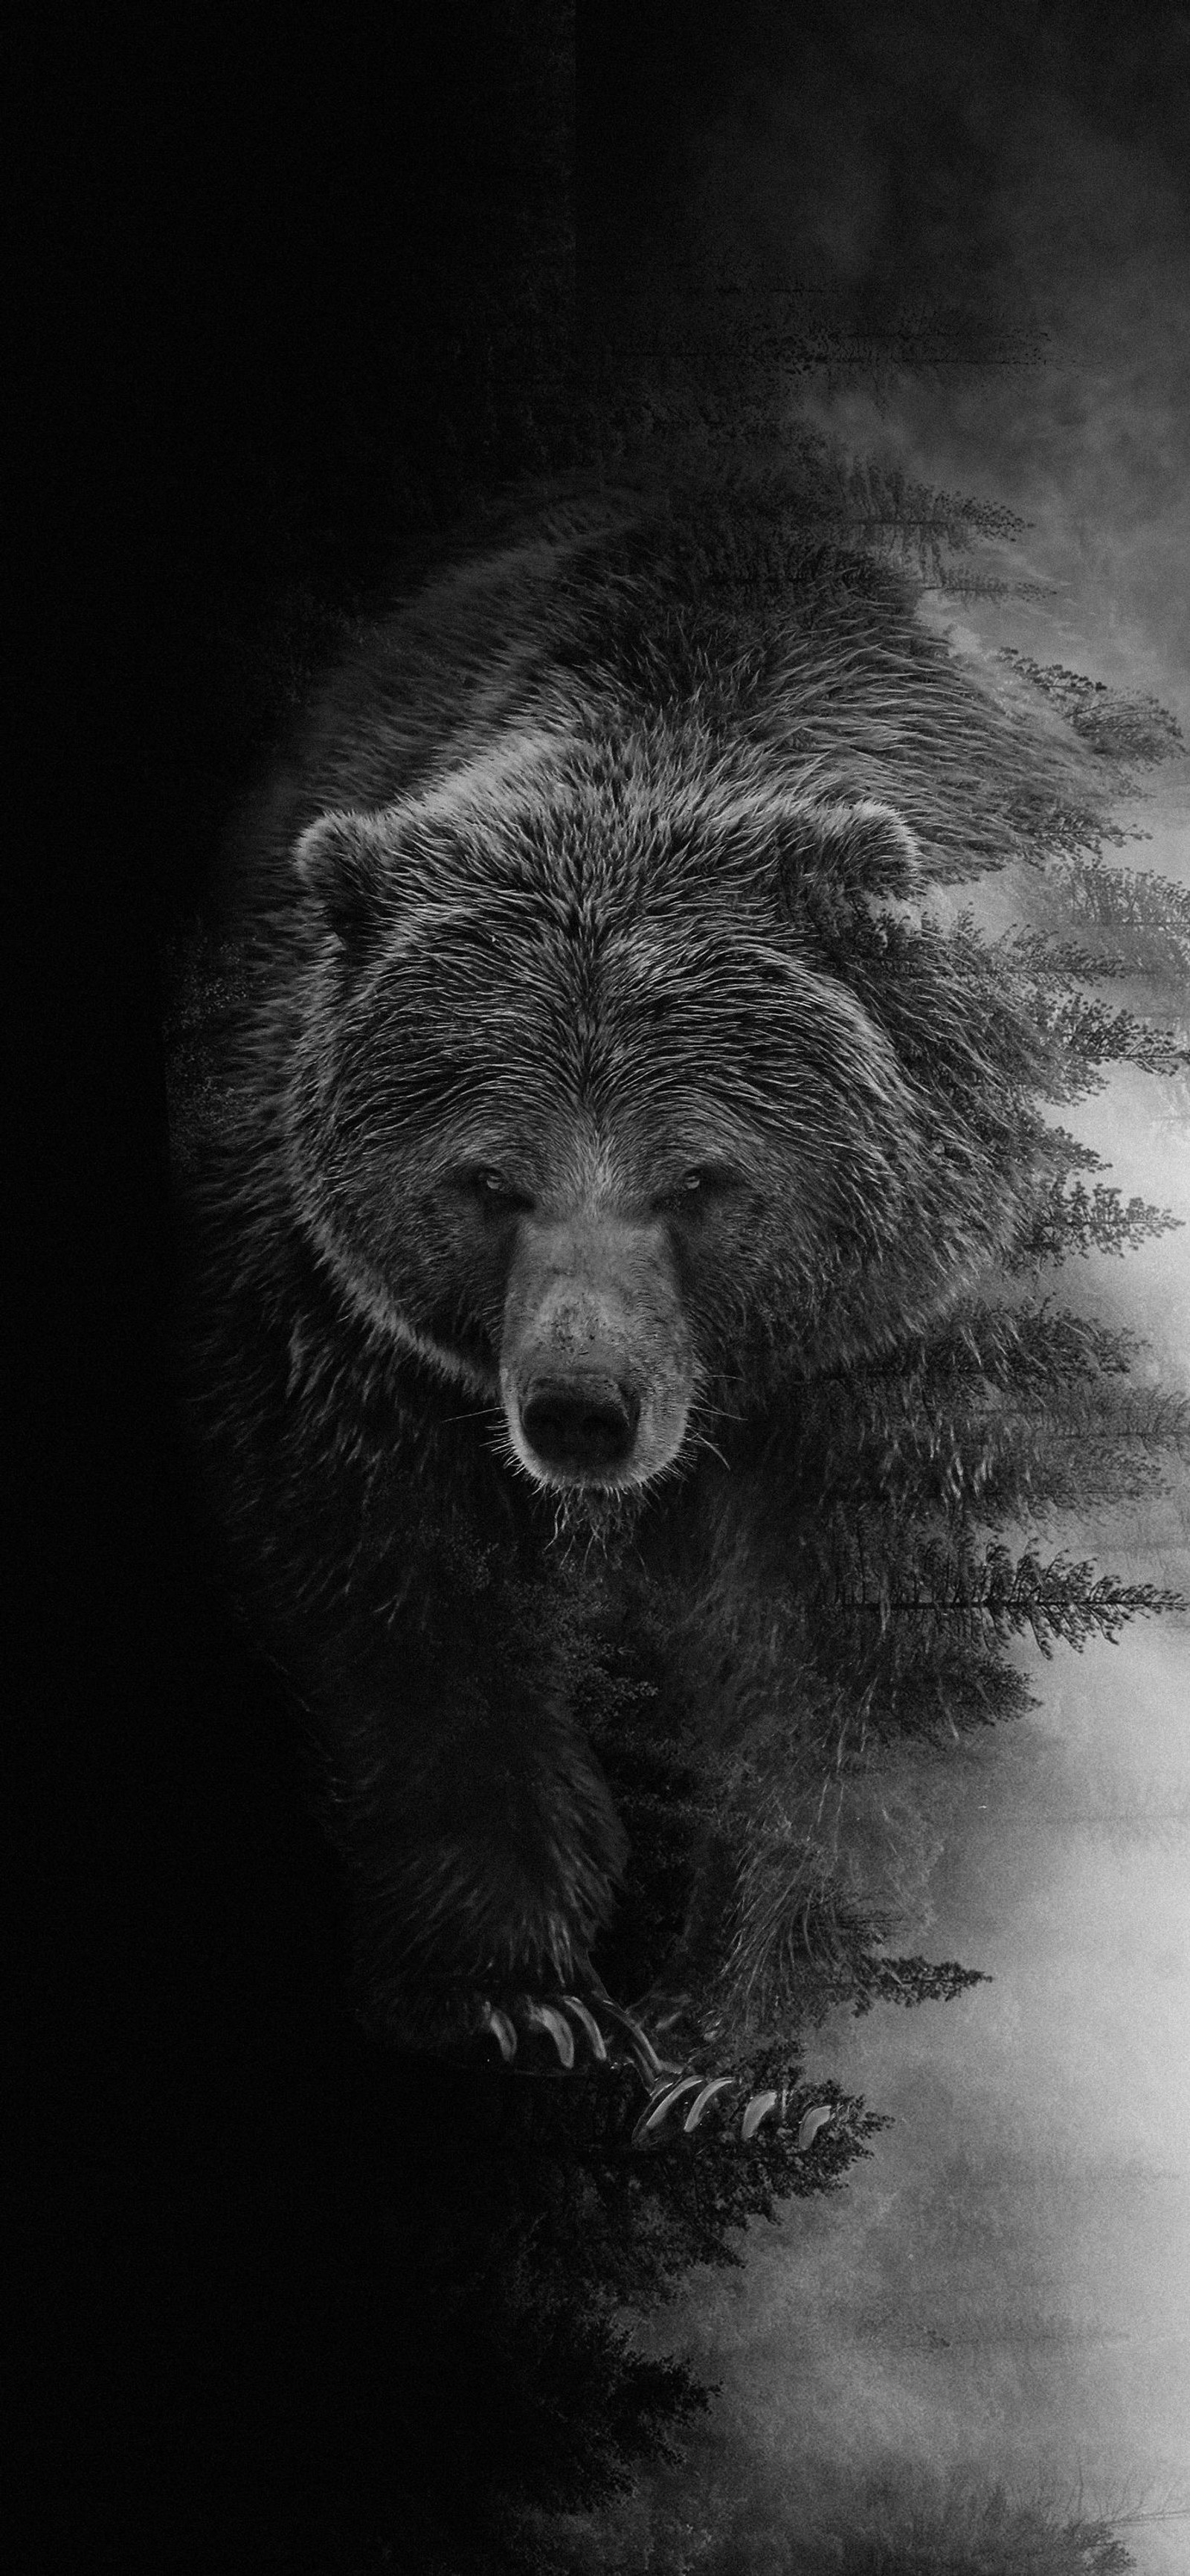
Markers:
point(694, 1187)
point(497, 1195)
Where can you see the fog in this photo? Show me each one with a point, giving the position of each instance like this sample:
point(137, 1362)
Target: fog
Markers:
point(1004, 2290)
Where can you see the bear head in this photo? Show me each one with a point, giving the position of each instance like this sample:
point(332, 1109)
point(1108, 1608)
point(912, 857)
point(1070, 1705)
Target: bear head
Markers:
point(580, 1108)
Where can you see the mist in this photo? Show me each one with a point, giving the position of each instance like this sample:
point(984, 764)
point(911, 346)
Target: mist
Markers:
point(1003, 2291)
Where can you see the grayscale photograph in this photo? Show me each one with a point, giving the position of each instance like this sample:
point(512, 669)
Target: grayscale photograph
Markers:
point(632, 1883)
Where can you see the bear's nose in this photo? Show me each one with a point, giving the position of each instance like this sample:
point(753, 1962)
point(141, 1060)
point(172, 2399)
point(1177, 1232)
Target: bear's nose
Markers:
point(583, 1423)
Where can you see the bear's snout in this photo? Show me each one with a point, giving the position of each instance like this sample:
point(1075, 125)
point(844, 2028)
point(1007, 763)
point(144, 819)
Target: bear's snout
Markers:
point(582, 1422)
point(595, 1363)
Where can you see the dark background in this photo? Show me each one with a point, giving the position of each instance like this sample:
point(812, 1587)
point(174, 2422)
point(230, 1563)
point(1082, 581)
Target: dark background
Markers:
point(284, 309)
point(288, 308)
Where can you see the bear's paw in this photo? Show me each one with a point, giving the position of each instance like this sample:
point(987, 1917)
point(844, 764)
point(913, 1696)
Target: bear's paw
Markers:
point(611, 2033)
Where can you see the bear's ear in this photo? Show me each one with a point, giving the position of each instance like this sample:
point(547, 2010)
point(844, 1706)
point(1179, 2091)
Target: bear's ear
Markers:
point(339, 861)
point(865, 848)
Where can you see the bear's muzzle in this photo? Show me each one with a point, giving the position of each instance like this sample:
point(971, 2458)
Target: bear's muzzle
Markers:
point(595, 1361)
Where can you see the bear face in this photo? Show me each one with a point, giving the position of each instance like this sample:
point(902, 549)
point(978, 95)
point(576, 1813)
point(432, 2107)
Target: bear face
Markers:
point(590, 1135)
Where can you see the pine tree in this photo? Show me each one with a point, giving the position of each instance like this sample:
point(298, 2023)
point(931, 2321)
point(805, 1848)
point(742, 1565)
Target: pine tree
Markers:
point(1133, 916)
point(1122, 728)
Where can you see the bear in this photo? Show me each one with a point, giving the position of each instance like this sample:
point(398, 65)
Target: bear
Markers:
point(593, 1084)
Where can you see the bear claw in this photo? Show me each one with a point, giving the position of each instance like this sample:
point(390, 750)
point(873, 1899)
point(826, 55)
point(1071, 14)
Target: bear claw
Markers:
point(503, 2031)
point(652, 2069)
point(519, 2013)
point(667, 2086)
point(718, 2084)
point(587, 2022)
point(757, 2110)
point(546, 2017)
point(665, 2096)
point(660, 2103)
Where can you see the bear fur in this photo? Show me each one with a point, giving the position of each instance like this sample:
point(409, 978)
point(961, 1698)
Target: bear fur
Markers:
point(596, 1081)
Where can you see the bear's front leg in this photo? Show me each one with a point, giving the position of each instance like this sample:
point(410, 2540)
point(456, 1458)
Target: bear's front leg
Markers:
point(481, 1842)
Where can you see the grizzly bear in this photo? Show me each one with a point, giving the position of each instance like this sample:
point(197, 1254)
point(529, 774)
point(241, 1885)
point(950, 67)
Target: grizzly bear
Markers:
point(594, 1084)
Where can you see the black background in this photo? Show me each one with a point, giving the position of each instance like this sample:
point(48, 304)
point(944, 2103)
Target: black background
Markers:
point(264, 272)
